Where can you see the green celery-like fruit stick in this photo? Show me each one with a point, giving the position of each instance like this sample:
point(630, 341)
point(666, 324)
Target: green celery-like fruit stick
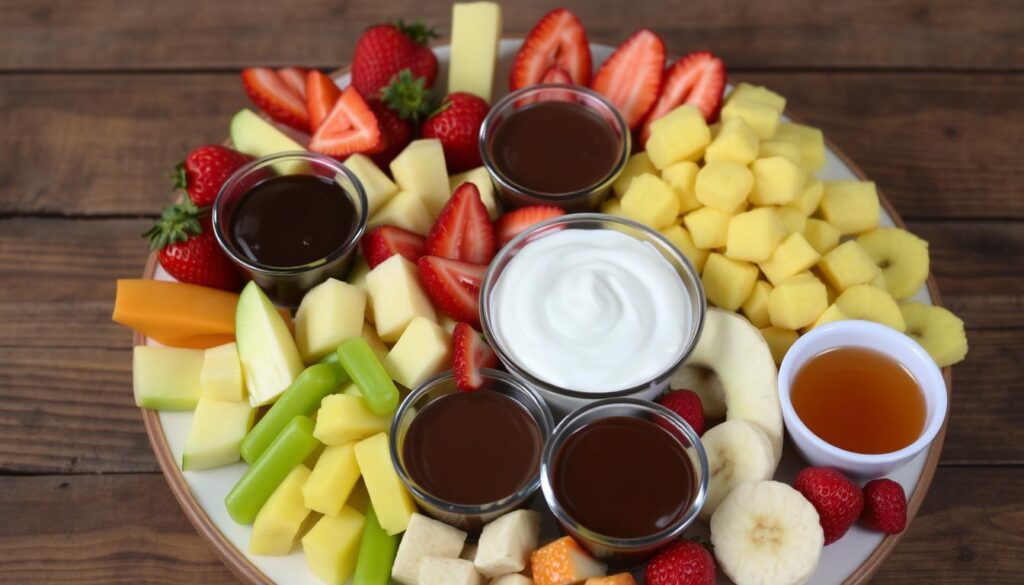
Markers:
point(331, 358)
point(289, 449)
point(302, 397)
point(376, 553)
point(369, 376)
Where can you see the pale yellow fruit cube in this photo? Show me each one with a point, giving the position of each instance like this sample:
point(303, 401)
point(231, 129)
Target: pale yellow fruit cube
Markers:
point(681, 239)
point(848, 264)
point(708, 227)
point(374, 341)
point(332, 545)
point(279, 521)
point(513, 579)
point(405, 210)
point(727, 283)
point(682, 177)
point(444, 571)
point(679, 135)
point(794, 220)
point(809, 198)
point(863, 301)
point(796, 303)
point(166, 378)
point(424, 349)
point(763, 118)
point(777, 181)
point(425, 537)
point(391, 501)
point(851, 206)
point(334, 475)
point(482, 179)
point(754, 235)
point(736, 142)
point(216, 433)
point(759, 94)
point(832, 314)
point(756, 305)
point(650, 201)
point(398, 297)
point(506, 543)
point(792, 256)
point(638, 164)
point(612, 206)
point(779, 147)
point(221, 375)
point(344, 418)
point(810, 140)
point(779, 341)
point(420, 168)
point(821, 235)
point(724, 185)
point(476, 31)
point(330, 314)
point(378, 187)
point(357, 277)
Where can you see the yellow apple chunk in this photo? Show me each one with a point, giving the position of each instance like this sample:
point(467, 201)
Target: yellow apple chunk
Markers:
point(777, 181)
point(331, 313)
point(811, 142)
point(681, 239)
point(638, 164)
point(332, 545)
point(754, 235)
point(424, 349)
point(216, 433)
point(756, 306)
point(796, 304)
point(334, 475)
point(758, 94)
point(279, 521)
point(420, 168)
point(821, 235)
point(851, 206)
point(735, 142)
point(847, 265)
point(397, 296)
point(708, 227)
point(166, 378)
point(724, 185)
point(794, 219)
point(650, 201)
point(727, 283)
point(809, 198)
point(344, 418)
point(792, 256)
point(391, 501)
point(378, 187)
point(405, 210)
point(682, 177)
point(763, 118)
point(679, 135)
point(779, 341)
point(221, 375)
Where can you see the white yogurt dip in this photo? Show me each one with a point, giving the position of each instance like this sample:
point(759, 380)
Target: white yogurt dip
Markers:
point(591, 310)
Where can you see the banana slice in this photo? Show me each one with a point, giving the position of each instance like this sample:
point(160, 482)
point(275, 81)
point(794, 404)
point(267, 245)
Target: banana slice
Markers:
point(767, 533)
point(736, 352)
point(871, 303)
point(940, 332)
point(902, 256)
point(705, 384)
point(738, 452)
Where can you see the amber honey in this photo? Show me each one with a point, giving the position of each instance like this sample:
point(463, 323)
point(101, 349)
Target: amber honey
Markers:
point(859, 400)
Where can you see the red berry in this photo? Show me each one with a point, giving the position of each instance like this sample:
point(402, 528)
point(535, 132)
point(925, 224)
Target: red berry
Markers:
point(188, 250)
point(385, 241)
point(558, 40)
point(470, 353)
point(400, 107)
point(885, 506)
point(697, 79)
point(384, 50)
point(205, 170)
point(837, 499)
point(454, 287)
point(457, 125)
point(686, 404)
point(631, 77)
point(463, 230)
point(276, 96)
point(512, 223)
point(683, 562)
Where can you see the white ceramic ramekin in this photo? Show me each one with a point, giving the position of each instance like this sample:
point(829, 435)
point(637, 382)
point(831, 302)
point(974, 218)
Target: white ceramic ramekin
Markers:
point(880, 338)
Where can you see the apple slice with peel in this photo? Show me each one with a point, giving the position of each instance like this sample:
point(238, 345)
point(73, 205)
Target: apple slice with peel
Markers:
point(270, 359)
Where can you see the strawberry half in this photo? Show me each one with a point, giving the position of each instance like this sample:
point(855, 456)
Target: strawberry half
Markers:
point(697, 79)
point(518, 220)
point(471, 352)
point(631, 77)
point(272, 94)
point(295, 77)
point(453, 286)
point(349, 127)
point(557, 40)
point(321, 95)
point(463, 230)
point(387, 240)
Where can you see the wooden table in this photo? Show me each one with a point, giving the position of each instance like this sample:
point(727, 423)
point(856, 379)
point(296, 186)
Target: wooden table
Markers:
point(100, 98)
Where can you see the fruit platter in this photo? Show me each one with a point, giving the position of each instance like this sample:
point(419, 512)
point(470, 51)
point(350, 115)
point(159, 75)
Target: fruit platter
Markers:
point(536, 311)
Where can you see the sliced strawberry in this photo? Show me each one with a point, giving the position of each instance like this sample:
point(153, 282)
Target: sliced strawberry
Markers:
point(471, 354)
point(558, 39)
point(349, 127)
point(321, 95)
point(631, 77)
point(295, 77)
point(387, 240)
point(453, 286)
point(463, 230)
point(270, 93)
point(697, 79)
point(516, 221)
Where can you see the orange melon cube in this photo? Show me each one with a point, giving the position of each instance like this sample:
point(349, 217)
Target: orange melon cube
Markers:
point(563, 562)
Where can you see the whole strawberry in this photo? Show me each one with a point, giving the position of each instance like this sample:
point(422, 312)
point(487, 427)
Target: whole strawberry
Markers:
point(683, 562)
point(686, 404)
point(837, 499)
point(384, 50)
point(205, 170)
point(456, 123)
point(885, 506)
point(188, 250)
point(401, 106)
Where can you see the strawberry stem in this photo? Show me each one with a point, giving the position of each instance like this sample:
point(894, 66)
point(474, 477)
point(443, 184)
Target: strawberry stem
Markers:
point(177, 224)
point(407, 95)
point(417, 31)
point(179, 177)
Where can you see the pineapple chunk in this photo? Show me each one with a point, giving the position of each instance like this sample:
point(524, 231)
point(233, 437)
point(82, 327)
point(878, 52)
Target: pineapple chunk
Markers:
point(864, 301)
point(811, 142)
point(344, 418)
point(682, 177)
point(724, 185)
point(779, 341)
point(420, 168)
point(847, 265)
point(424, 538)
point(681, 239)
point(374, 341)
point(756, 305)
point(612, 206)
point(679, 135)
point(638, 164)
point(851, 206)
point(397, 296)
point(423, 350)
point(221, 375)
point(809, 198)
point(794, 220)
point(279, 521)
point(796, 303)
point(777, 181)
point(779, 147)
point(334, 475)
point(444, 571)
point(216, 433)
point(331, 313)
point(650, 201)
point(763, 118)
point(821, 235)
point(390, 499)
point(727, 283)
point(902, 257)
point(832, 314)
point(708, 227)
point(357, 277)
point(332, 545)
point(940, 332)
point(792, 256)
point(405, 210)
point(482, 179)
point(758, 94)
point(166, 378)
point(736, 142)
point(754, 235)
point(378, 187)
point(476, 31)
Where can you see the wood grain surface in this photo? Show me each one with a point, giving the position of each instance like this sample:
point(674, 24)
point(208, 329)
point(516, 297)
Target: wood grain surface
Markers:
point(100, 98)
